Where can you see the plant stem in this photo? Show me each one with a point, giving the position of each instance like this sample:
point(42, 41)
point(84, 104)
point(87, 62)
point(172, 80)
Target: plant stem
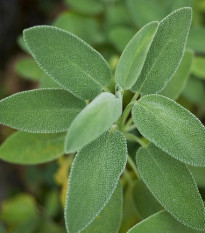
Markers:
point(127, 175)
point(106, 89)
point(132, 137)
point(128, 109)
point(133, 166)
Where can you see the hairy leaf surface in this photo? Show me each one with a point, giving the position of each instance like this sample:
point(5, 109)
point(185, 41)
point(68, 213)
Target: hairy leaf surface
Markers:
point(93, 121)
point(68, 60)
point(173, 186)
point(93, 178)
point(171, 127)
point(134, 55)
point(166, 52)
point(177, 83)
point(110, 217)
point(27, 148)
point(144, 201)
point(161, 222)
point(40, 111)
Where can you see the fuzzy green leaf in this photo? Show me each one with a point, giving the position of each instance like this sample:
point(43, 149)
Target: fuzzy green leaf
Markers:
point(177, 83)
point(40, 111)
point(134, 55)
point(144, 201)
point(199, 175)
point(161, 222)
point(198, 67)
point(110, 218)
point(166, 52)
point(171, 127)
point(22, 44)
point(93, 178)
point(27, 148)
point(173, 186)
point(83, 73)
point(28, 69)
point(93, 121)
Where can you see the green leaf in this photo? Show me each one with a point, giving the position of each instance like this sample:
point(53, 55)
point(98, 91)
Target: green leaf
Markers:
point(175, 86)
point(199, 175)
point(171, 127)
point(93, 121)
point(68, 60)
point(22, 44)
point(134, 55)
point(196, 39)
point(198, 67)
point(173, 186)
point(25, 148)
point(47, 82)
point(40, 111)
point(166, 52)
point(110, 218)
point(86, 28)
point(27, 68)
point(161, 222)
point(119, 36)
point(144, 201)
point(194, 91)
point(93, 178)
point(143, 11)
point(90, 7)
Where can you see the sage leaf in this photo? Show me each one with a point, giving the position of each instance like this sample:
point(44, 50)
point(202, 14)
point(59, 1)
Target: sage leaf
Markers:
point(198, 174)
point(110, 217)
point(161, 222)
point(198, 67)
point(93, 121)
point(134, 55)
point(84, 73)
point(171, 127)
point(28, 69)
point(40, 111)
point(27, 148)
point(93, 178)
point(145, 203)
point(22, 44)
point(175, 86)
point(166, 52)
point(169, 179)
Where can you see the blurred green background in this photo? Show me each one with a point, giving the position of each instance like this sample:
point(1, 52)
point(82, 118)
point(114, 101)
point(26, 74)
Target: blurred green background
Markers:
point(32, 197)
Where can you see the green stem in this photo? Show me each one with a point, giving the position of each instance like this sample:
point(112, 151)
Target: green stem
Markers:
point(133, 166)
point(127, 175)
point(106, 89)
point(132, 137)
point(128, 109)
